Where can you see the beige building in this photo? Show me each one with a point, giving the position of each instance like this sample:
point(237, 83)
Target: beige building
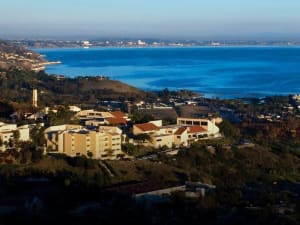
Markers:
point(74, 140)
point(7, 133)
point(162, 140)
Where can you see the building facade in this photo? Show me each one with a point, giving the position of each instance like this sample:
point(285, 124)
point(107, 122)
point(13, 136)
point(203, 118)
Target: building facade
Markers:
point(10, 132)
point(75, 140)
point(184, 133)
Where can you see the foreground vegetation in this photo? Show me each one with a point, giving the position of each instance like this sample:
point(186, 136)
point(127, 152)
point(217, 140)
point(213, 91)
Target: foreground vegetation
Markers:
point(255, 184)
point(252, 184)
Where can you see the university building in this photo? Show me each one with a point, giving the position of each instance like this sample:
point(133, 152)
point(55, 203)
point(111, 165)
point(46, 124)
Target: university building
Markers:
point(185, 132)
point(7, 133)
point(75, 140)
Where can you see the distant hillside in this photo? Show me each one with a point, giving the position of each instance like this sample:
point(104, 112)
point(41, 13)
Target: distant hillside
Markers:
point(10, 48)
point(16, 57)
point(17, 85)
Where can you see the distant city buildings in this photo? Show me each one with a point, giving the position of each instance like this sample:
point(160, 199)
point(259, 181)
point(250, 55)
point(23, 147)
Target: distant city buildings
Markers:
point(141, 43)
point(86, 44)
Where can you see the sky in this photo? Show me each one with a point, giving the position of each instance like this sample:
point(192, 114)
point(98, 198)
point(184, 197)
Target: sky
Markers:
point(177, 19)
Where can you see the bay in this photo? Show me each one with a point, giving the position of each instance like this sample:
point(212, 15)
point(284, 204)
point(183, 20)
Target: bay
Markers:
point(225, 72)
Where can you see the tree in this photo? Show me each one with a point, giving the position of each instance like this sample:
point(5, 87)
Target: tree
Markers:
point(139, 117)
point(5, 109)
point(90, 154)
point(16, 136)
point(10, 143)
point(37, 136)
point(110, 153)
point(36, 155)
point(5, 143)
point(143, 137)
point(229, 130)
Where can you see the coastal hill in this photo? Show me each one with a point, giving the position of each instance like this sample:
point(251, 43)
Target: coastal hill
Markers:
point(13, 56)
point(19, 76)
point(17, 86)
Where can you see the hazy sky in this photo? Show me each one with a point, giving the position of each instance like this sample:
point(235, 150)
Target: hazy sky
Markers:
point(188, 19)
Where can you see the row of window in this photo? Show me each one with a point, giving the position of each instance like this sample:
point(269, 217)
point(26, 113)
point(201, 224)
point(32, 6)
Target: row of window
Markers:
point(197, 123)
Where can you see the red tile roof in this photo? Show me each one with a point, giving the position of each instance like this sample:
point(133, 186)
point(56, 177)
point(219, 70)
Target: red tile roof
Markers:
point(118, 114)
point(196, 129)
point(113, 120)
point(180, 130)
point(147, 126)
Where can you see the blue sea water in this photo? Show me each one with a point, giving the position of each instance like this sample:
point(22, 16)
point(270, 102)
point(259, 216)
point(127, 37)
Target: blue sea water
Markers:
point(225, 72)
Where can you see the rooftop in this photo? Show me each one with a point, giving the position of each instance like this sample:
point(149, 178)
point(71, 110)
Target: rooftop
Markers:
point(147, 126)
point(118, 114)
point(196, 129)
point(116, 120)
point(180, 130)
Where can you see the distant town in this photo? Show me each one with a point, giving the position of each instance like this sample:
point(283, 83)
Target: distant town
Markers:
point(145, 43)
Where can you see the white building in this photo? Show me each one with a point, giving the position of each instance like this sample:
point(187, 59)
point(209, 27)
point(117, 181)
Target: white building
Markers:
point(141, 43)
point(8, 132)
point(74, 108)
point(185, 132)
point(209, 125)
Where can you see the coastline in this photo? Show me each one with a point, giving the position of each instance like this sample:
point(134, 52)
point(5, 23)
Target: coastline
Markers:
point(167, 47)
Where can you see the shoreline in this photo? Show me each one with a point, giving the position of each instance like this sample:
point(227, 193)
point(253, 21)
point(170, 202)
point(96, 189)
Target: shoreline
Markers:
point(167, 46)
point(200, 94)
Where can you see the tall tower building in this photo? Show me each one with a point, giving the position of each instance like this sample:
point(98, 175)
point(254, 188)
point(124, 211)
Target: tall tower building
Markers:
point(34, 98)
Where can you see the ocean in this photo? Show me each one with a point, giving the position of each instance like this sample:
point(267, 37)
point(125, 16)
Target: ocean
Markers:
point(224, 72)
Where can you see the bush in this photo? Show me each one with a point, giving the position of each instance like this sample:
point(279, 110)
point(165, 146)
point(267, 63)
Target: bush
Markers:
point(36, 155)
